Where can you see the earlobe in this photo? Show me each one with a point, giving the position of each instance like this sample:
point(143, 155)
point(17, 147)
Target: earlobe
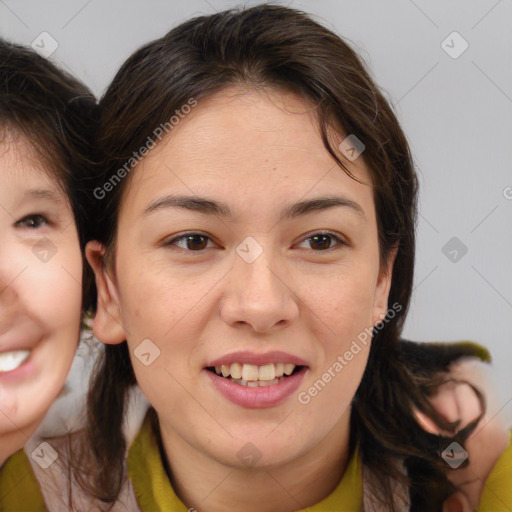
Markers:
point(107, 325)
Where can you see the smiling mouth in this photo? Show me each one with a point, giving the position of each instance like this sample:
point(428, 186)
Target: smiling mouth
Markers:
point(10, 361)
point(254, 376)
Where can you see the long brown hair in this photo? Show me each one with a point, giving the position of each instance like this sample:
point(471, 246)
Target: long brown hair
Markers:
point(278, 47)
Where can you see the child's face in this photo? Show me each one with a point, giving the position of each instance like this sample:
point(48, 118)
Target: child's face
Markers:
point(301, 301)
point(40, 291)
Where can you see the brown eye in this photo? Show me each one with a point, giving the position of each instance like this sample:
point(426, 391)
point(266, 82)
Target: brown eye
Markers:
point(32, 221)
point(196, 242)
point(322, 241)
point(193, 241)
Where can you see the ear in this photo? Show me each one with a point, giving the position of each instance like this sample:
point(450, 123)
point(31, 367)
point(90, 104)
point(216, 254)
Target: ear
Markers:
point(107, 325)
point(380, 305)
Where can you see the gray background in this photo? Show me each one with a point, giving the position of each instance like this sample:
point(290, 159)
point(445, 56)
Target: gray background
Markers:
point(456, 112)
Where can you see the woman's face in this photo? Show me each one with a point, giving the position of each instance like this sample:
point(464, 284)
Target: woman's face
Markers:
point(284, 281)
point(40, 292)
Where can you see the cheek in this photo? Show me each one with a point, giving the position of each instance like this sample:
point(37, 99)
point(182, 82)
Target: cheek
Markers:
point(50, 295)
point(336, 386)
point(164, 311)
point(156, 301)
point(345, 303)
point(54, 288)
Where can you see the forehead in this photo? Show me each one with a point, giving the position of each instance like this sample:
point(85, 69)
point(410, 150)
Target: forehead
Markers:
point(21, 164)
point(264, 141)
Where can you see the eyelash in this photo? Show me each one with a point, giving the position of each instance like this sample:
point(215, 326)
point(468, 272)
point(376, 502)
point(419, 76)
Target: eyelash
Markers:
point(341, 243)
point(23, 222)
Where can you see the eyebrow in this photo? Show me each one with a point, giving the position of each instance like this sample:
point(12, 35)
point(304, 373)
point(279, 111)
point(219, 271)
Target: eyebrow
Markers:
point(43, 193)
point(219, 209)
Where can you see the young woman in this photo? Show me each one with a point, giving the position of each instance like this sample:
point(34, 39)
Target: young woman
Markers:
point(254, 267)
point(45, 155)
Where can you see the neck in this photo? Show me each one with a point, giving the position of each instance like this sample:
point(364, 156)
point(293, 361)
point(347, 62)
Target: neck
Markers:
point(211, 486)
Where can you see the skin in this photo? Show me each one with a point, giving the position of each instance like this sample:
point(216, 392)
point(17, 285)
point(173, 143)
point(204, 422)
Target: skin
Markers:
point(40, 301)
point(298, 296)
point(457, 401)
point(197, 306)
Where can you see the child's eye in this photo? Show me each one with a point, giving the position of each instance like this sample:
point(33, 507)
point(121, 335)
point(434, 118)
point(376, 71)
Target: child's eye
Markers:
point(32, 221)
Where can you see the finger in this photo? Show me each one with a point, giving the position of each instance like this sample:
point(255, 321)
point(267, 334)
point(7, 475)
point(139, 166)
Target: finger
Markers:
point(454, 401)
point(457, 401)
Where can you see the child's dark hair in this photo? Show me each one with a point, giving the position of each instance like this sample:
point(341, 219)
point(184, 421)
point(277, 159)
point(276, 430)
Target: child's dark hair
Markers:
point(276, 47)
point(55, 114)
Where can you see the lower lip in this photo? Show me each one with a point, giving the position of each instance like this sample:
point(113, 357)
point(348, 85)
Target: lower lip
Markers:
point(257, 398)
point(19, 373)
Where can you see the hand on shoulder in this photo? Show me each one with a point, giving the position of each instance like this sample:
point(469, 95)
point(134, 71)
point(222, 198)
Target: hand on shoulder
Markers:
point(456, 400)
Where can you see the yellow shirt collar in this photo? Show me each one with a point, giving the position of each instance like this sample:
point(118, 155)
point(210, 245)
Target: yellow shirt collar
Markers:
point(154, 491)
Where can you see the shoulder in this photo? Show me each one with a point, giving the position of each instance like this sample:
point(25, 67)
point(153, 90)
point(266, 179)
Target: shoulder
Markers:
point(19, 489)
point(497, 493)
point(50, 459)
point(471, 392)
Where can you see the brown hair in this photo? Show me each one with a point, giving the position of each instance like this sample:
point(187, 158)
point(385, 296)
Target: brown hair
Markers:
point(278, 47)
point(55, 114)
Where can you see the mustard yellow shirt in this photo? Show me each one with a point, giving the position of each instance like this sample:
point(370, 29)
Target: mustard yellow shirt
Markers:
point(154, 491)
point(20, 492)
point(19, 489)
point(497, 493)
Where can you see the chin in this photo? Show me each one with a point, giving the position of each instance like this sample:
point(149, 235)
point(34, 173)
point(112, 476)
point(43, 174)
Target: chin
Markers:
point(254, 453)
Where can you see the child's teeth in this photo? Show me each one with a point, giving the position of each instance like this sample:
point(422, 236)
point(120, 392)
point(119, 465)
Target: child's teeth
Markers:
point(11, 360)
point(279, 369)
point(225, 371)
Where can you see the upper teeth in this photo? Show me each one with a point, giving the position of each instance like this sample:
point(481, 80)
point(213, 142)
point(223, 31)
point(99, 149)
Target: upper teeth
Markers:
point(11, 360)
point(253, 372)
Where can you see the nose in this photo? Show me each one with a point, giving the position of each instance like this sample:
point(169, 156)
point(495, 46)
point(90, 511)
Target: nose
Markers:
point(259, 295)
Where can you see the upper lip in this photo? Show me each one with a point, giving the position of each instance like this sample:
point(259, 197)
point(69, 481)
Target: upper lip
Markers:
point(258, 359)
